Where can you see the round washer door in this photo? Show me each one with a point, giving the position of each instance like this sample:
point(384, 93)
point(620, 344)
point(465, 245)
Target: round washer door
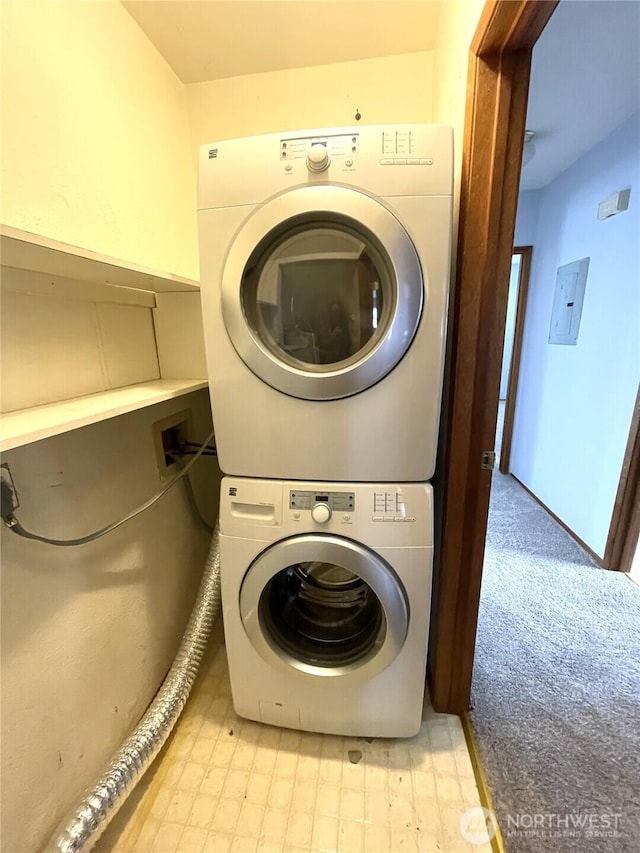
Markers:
point(322, 292)
point(324, 605)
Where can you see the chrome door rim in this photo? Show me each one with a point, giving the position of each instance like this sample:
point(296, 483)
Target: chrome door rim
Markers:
point(348, 554)
point(357, 210)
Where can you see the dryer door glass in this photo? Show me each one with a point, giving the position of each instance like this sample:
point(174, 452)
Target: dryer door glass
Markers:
point(319, 297)
point(321, 613)
point(322, 292)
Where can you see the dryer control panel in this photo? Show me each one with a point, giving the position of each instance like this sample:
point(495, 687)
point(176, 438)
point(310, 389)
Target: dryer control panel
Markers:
point(339, 145)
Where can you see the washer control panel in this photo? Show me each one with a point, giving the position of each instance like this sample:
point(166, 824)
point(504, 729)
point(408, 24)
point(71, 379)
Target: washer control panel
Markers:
point(390, 506)
point(336, 501)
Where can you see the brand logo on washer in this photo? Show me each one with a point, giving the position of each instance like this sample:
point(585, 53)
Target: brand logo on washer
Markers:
point(233, 491)
point(213, 153)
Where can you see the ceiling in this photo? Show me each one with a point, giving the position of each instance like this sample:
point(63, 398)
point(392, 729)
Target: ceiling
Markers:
point(212, 39)
point(585, 77)
point(585, 81)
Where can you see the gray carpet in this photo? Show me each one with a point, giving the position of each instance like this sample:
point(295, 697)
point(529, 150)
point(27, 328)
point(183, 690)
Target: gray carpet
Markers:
point(556, 686)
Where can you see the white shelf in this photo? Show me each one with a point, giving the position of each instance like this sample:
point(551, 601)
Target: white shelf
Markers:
point(26, 251)
point(29, 425)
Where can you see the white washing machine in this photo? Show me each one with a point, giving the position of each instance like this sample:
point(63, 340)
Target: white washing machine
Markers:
point(326, 591)
point(324, 261)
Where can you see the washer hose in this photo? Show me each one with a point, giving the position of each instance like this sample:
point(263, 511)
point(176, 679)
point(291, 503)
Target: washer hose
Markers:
point(86, 822)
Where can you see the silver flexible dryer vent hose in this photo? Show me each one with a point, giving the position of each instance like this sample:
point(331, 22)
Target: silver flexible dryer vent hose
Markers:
point(84, 825)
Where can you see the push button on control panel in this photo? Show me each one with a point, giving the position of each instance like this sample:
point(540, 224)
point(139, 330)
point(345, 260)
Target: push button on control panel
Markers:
point(389, 506)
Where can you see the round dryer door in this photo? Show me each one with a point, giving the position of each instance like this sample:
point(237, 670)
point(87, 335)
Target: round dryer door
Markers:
point(322, 292)
point(324, 605)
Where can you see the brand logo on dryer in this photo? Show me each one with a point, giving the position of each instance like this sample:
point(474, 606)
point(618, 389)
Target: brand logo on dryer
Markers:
point(233, 491)
point(213, 154)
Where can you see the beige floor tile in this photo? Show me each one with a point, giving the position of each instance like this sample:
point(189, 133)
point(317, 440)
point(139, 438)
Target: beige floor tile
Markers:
point(192, 840)
point(166, 841)
point(377, 839)
point(213, 781)
point(299, 830)
point(377, 807)
point(327, 800)
point(222, 753)
point(192, 777)
point(160, 802)
point(258, 786)
point(404, 840)
point(226, 816)
point(274, 825)
point(217, 842)
point(242, 844)
point(202, 812)
point(201, 750)
point(250, 820)
point(401, 813)
point(179, 807)
point(324, 836)
point(225, 784)
point(280, 794)
point(304, 794)
point(448, 790)
point(351, 804)
point(330, 771)
point(235, 785)
point(350, 837)
point(376, 778)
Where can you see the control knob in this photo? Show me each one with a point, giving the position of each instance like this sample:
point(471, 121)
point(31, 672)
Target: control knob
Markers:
point(318, 157)
point(321, 513)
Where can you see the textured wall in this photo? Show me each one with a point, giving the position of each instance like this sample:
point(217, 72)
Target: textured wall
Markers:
point(95, 140)
point(89, 632)
point(575, 403)
point(387, 89)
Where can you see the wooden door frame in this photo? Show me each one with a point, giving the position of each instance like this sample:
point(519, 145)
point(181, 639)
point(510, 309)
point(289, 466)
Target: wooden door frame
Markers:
point(514, 366)
point(624, 530)
point(497, 89)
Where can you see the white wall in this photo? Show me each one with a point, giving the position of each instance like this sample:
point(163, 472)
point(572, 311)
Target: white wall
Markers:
point(95, 140)
point(456, 26)
point(386, 89)
point(56, 348)
point(527, 218)
point(510, 325)
point(89, 632)
point(95, 152)
point(575, 404)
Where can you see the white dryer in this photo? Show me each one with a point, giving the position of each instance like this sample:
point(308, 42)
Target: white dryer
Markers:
point(326, 591)
point(324, 261)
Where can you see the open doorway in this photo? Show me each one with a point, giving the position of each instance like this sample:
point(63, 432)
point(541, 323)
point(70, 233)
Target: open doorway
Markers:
point(511, 352)
point(557, 635)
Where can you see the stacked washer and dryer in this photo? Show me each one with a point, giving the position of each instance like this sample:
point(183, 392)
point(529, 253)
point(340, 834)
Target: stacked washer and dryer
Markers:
point(324, 281)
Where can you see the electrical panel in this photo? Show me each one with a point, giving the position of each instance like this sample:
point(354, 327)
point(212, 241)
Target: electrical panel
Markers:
point(571, 280)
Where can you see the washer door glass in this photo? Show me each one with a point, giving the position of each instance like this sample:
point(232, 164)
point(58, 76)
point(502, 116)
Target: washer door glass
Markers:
point(321, 613)
point(322, 292)
point(324, 605)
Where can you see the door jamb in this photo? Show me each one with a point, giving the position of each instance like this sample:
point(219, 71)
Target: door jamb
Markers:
point(624, 530)
point(497, 88)
point(514, 367)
